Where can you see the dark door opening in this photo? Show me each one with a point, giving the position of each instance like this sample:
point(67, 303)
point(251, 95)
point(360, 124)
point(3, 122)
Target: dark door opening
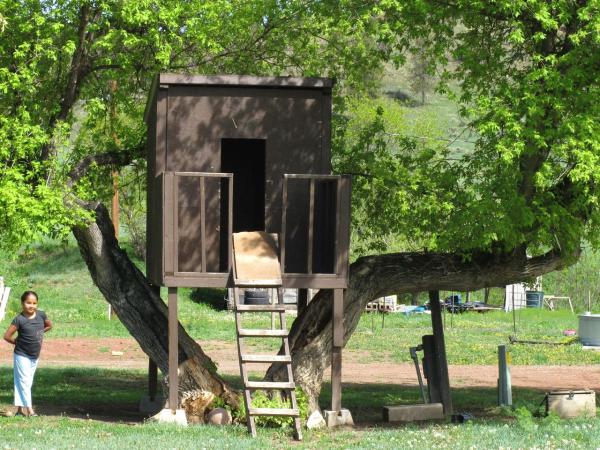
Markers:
point(245, 158)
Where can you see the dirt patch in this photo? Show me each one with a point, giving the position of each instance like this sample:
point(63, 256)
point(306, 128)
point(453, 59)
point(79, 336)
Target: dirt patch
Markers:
point(95, 352)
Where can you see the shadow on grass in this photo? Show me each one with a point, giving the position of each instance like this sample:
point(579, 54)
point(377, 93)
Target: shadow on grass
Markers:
point(101, 394)
point(113, 395)
point(366, 401)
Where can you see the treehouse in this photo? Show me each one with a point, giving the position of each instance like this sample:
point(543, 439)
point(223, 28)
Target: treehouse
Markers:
point(240, 194)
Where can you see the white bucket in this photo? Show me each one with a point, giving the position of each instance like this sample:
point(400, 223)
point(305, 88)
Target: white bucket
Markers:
point(589, 329)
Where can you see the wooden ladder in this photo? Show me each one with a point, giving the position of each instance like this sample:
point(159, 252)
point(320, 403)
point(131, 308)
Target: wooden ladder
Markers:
point(288, 387)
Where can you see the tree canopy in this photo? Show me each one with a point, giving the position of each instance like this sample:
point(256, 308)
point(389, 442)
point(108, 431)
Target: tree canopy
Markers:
point(526, 74)
point(74, 75)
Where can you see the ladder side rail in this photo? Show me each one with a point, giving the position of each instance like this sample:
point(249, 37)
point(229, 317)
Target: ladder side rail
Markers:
point(244, 374)
point(292, 394)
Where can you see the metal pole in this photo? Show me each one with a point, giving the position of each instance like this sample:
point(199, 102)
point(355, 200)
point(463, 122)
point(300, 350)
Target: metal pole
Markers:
point(452, 311)
point(513, 310)
point(415, 358)
point(504, 382)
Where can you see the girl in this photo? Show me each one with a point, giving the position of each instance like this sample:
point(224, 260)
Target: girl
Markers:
point(31, 325)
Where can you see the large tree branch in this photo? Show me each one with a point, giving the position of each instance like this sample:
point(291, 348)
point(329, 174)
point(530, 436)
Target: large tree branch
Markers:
point(372, 277)
point(110, 158)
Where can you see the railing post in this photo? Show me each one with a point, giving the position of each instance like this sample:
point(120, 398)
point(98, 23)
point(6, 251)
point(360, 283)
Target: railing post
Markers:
point(203, 221)
point(283, 223)
point(230, 222)
point(311, 225)
point(175, 224)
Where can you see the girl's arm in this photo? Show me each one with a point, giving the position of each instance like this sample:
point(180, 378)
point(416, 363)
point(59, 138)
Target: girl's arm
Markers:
point(8, 336)
point(47, 325)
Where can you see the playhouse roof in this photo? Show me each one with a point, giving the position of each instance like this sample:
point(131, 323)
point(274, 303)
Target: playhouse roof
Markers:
point(237, 81)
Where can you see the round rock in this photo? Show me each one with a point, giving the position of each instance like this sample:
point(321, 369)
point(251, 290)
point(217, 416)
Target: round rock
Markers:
point(219, 416)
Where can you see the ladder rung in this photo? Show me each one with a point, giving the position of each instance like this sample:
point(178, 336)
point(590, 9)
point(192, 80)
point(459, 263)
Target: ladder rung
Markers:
point(242, 332)
point(274, 412)
point(267, 358)
point(265, 308)
point(270, 385)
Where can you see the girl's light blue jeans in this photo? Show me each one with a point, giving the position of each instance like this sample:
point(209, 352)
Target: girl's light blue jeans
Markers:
point(24, 370)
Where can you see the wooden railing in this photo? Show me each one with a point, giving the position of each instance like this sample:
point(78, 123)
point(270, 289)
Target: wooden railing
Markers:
point(341, 220)
point(171, 196)
point(316, 242)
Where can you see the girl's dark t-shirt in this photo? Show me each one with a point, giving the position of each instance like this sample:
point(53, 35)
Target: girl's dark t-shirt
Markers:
point(31, 334)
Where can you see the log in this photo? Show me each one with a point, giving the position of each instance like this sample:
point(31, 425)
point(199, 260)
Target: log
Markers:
point(376, 276)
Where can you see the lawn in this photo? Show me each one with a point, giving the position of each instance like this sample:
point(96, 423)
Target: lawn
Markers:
point(77, 308)
point(96, 408)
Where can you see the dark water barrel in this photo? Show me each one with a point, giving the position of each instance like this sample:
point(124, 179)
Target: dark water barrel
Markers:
point(534, 299)
point(256, 298)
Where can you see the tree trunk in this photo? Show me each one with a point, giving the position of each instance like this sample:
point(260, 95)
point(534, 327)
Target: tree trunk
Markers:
point(143, 312)
point(372, 277)
point(414, 299)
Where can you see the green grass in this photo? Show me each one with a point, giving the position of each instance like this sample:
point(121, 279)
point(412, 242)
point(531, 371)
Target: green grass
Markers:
point(66, 433)
point(473, 338)
point(95, 408)
point(61, 278)
point(77, 308)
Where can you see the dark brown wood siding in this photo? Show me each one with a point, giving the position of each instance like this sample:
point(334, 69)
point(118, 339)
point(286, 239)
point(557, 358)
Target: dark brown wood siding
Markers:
point(187, 124)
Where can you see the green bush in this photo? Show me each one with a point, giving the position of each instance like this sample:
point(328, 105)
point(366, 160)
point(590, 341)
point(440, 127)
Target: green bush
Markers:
point(262, 400)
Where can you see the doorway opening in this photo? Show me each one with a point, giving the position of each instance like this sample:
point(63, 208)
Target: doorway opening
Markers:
point(245, 158)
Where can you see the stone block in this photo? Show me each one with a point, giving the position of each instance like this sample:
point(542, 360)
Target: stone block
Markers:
point(339, 418)
point(412, 413)
point(219, 416)
point(315, 420)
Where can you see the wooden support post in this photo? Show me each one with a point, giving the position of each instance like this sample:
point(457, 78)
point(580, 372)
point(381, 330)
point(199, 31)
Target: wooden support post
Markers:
point(442, 362)
point(302, 299)
point(152, 379)
point(336, 356)
point(173, 351)
point(430, 369)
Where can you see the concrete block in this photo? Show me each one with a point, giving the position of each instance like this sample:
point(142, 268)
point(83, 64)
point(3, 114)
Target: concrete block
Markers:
point(412, 413)
point(151, 407)
point(339, 418)
point(315, 420)
point(167, 416)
